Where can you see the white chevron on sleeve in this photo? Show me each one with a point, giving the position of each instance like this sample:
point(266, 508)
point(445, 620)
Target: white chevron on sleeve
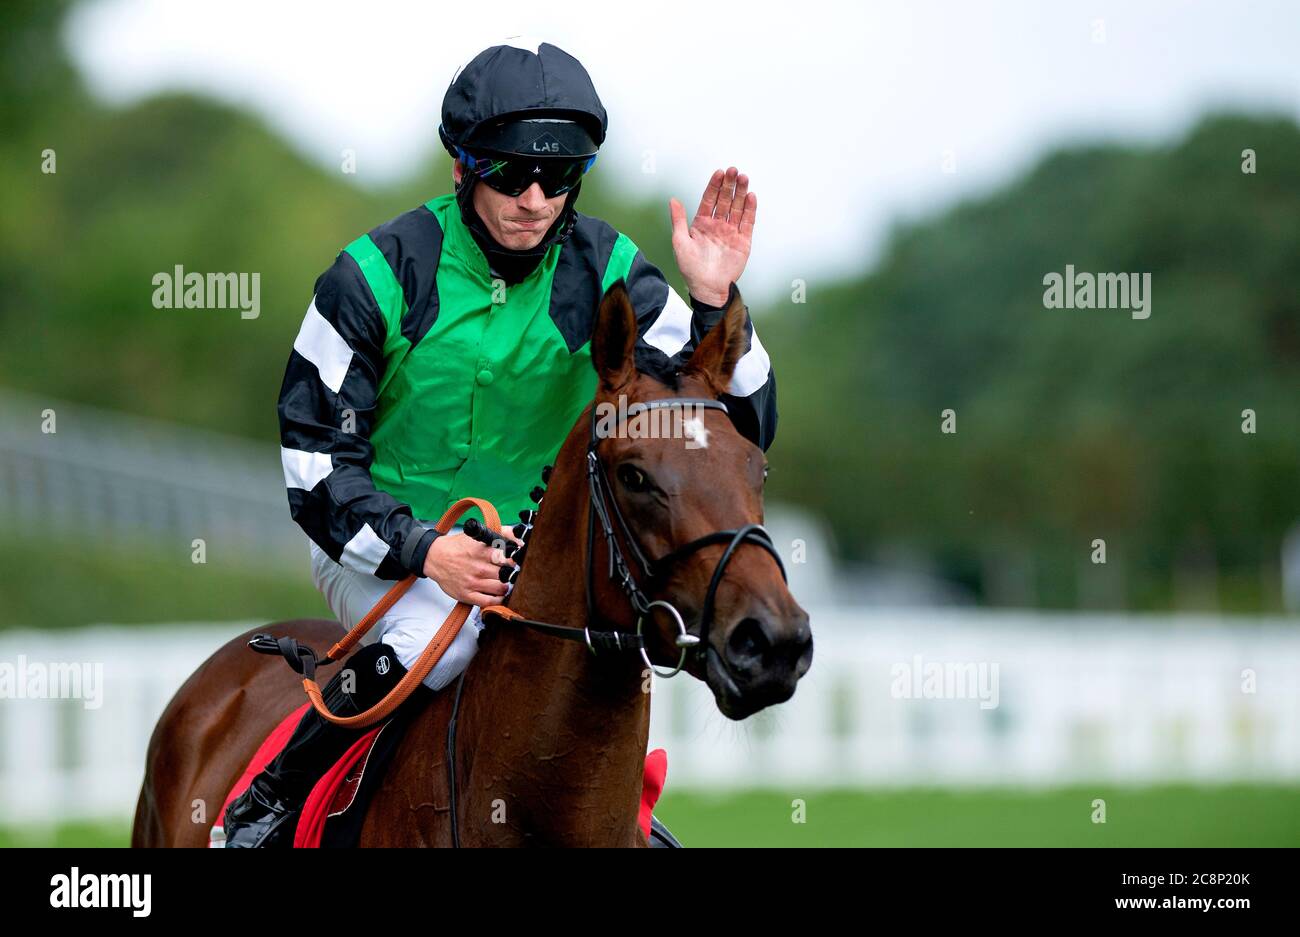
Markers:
point(365, 551)
point(672, 330)
point(304, 469)
point(752, 369)
point(320, 344)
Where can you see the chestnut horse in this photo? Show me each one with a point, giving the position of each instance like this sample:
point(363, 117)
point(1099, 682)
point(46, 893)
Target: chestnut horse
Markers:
point(551, 739)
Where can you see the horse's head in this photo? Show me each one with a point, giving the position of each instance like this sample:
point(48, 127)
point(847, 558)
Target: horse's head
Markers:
point(705, 477)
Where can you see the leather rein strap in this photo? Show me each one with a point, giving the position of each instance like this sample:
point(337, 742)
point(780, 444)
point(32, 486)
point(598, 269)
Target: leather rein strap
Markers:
point(303, 659)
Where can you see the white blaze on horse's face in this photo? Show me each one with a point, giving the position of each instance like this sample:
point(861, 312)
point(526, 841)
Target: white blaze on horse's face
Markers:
point(697, 437)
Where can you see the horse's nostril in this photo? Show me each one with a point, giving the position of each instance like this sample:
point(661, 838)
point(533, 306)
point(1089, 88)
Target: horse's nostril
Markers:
point(748, 642)
point(769, 650)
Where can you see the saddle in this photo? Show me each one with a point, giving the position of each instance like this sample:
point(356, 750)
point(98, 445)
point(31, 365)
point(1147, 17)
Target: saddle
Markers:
point(336, 807)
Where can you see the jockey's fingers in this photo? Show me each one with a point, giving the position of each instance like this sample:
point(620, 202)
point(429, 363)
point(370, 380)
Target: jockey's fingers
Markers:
point(477, 548)
point(499, 558)
point(491, 587)
point(508, 536)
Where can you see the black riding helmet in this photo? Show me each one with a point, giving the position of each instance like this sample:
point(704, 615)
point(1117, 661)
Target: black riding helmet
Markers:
point(527, 99)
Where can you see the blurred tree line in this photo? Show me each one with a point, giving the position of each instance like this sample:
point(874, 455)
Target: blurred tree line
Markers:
point(1072, 424)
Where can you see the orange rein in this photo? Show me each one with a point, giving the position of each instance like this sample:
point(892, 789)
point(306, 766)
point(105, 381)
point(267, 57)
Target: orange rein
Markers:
point(438, 644)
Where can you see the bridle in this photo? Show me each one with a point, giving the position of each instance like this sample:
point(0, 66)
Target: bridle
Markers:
point(604, 510)
point(604, 506)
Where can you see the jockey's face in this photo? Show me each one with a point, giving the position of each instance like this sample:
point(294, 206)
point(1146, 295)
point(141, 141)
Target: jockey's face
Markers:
point(517, 222)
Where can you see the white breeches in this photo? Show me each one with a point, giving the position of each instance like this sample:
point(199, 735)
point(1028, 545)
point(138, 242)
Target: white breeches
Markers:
point(408, 626)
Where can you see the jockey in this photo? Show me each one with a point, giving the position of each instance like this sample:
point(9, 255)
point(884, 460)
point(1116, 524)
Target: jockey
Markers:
point(446, 354)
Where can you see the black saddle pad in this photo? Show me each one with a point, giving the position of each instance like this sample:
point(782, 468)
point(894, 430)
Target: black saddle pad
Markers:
point(343, 829)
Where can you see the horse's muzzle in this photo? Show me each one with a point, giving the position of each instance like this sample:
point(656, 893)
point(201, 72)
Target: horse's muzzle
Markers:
point(761, 659)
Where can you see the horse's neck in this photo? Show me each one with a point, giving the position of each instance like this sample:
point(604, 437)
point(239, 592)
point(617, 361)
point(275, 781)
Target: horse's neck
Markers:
point(552, 588)
point(581, 736)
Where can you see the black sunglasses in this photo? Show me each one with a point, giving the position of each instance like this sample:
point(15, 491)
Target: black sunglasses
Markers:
point(513, 174)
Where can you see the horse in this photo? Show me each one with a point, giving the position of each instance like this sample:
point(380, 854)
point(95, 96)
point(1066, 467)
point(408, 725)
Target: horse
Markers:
point(550, 739)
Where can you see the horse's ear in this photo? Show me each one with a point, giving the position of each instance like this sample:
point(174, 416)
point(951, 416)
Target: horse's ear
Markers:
point(716, 356)
point(614, 338)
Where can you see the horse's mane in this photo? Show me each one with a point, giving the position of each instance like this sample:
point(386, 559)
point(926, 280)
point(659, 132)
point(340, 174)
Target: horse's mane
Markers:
point(652, 362)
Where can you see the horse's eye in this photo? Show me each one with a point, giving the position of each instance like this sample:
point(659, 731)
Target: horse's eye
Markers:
point(766, 469)
point(633, 478)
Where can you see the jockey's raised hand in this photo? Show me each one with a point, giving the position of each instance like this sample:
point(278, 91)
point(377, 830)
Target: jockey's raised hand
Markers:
point(468, 570)
point(713, 251)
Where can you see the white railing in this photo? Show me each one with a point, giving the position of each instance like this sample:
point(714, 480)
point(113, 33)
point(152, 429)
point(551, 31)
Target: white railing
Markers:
point(1080, 698)
point(121, 478)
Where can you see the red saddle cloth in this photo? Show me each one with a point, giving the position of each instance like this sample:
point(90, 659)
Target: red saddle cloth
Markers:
point(335, 790)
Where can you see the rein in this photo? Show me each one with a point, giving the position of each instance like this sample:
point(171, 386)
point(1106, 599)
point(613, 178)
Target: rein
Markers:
point(303, 659)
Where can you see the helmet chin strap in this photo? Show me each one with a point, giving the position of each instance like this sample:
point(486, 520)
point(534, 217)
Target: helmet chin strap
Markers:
point(512, 265)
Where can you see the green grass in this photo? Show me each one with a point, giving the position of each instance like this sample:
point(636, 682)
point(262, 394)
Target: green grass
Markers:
point(1161, 816)
point(71, 582)
point(68, 834)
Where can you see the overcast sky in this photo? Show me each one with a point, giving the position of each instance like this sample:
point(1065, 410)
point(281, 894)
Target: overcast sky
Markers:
point(841, 112)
